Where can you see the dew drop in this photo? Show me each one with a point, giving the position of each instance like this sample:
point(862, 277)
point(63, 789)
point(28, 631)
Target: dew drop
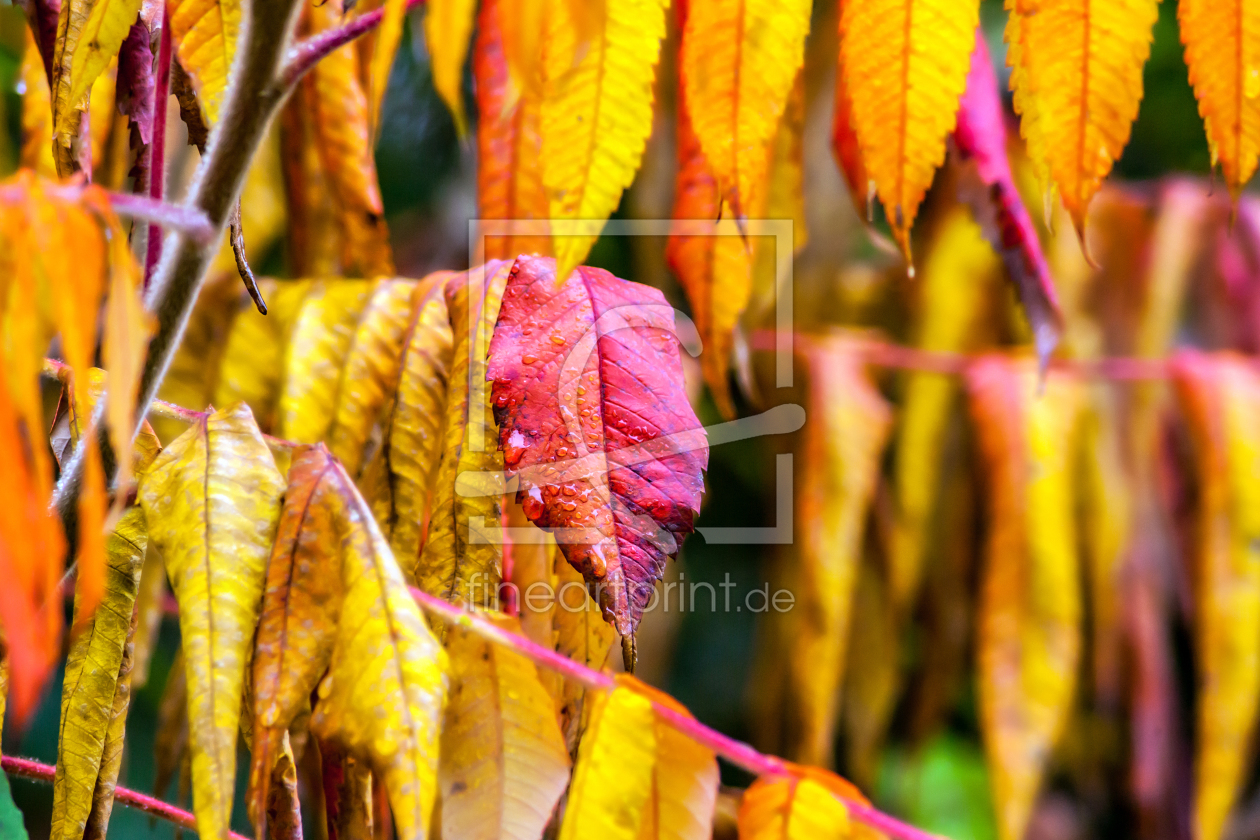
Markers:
point(528, 360)
point(557, 340)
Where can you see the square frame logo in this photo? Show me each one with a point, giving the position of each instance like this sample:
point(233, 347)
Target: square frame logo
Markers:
point(780, 419)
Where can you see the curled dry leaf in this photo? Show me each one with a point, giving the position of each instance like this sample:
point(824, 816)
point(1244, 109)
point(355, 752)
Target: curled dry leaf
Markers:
point(503, 760)
point(593, 420)
point(212, 500)
point(919, 52)
point(843, 447)
point(1029, 624)
point(1220, 396)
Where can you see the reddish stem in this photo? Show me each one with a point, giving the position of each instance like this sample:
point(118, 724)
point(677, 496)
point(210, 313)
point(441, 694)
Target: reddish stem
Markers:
point(157, 148)
point(306, 53)
point(29, 769)
point(736, 752)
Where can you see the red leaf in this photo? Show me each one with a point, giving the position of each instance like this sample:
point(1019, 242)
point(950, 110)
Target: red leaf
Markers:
point(980, 137)
point(593, 419)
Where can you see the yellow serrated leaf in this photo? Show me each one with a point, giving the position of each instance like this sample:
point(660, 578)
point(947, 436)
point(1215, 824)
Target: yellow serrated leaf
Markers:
point(212, 501)
point(204, 34)
point(596, 117)
point(369, 374)
point(789, 808)
point(612, 781)
point(844, 441)
point(503, 760)
point(905, 65)
point(104, 30)
point(382, 697)
point(1078, 104)
point(448, 25)
point(1029, 622)
point(739, 59)
point(461, 560)
point(960, 277)
point(1222, 39)
point(92, 684)
point(1220, 395)
point(322, 334)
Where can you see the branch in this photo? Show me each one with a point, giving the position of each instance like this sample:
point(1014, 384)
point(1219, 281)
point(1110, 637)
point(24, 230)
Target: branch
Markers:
point(306, 53)
point(176, 217)
point(736, 752)
point(28, 769)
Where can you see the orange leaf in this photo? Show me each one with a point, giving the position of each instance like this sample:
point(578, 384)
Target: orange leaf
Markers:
point(447, 27)
point(1077, 77)
point(848, 152)
point(905, 64)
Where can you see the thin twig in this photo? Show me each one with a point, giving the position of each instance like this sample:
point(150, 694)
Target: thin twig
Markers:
point(29, 769)
point(306, 53)
point(736, 752)
point(187, 220)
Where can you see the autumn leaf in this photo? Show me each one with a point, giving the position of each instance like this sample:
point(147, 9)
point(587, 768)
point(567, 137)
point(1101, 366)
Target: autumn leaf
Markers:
point(1078, 105)
point(461, 559)
point(1029, 631)
point(844, 440)
point(509, 148)
point(347, 794)
point(582, 635)
point(204, 35)
point(384, 51)
point(804, 802)
point(588, 394)
point(382, 697)
point(873, 673)
point(1221, 52)
point(448, 24)
point(711, 260)
point(503, 760)
point(905, 64)
point(596, 116)
point(980, 137)
point(847, 150)
point(212, 500)
point(1219, 395)
point(739, 59)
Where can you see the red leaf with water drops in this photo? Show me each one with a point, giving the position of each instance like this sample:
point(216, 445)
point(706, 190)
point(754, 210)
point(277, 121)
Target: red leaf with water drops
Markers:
point(980, 138)
point(594, 421)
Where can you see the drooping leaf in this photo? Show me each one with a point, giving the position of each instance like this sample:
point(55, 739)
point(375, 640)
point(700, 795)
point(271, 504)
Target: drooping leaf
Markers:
point(135, 88)
point(283, 808)
point(37, 151)
point(980, 137)
point(384, 51)
point(596, 115)
point(399, 480)
point(1222, 41)
point(212, 500)
point(448, 25)
point(509, 164)
point(204, 35)
point(594, 421)
point(905, 64)
point(873, 673)
point(845, 146)
point(170, 743)
point(149, 612)
point(1219, 396)
point(314, 231)
point(582, 635)
point(99, 41)
point(844, 441)
point(738, 62)
point(503, 759)
point(708, 256)
point(382, 697)
point(347, 794)
point(1029, 632)
point(461, 559)
point(957, 294)
point(1078, 104)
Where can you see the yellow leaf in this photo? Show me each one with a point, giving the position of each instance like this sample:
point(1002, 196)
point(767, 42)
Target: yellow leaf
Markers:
point(314, 358)
point(1220, 395)
point(509, 150)
point(1222, 39)
point(503, 761)
point(960, 277)
point(149, 612)
point(739, 60)
point(212, 500)
point(1078, 104)
point(400, 478)
point(384, 51)
point(581, 635)
point(789, 808)
point(382, 697)
point(872, 672)
point(448, 25)
point(37, 151)
point(1029, 622)
point(104, 30)
point(596, 117)
point(848, 426)
point(92, 683)
point(204, 34)
point(461, 557)
point(613, 780)
point(905, 64)
point(253, 364)
point(369, 374)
